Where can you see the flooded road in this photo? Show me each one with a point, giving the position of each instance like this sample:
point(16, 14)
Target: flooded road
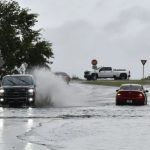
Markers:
point(87, 120)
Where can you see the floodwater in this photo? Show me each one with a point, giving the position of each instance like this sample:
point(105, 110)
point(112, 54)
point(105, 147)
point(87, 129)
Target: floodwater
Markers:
point(83, 117)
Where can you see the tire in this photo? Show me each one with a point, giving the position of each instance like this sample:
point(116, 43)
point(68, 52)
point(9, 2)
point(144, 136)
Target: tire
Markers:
point(115, 78)
point(123, 76)
point(88, 78)
point(145, 102)
point(117, 103)
point(94, 76)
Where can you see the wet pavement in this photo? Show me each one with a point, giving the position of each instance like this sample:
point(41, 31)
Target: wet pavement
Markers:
point(87, 120)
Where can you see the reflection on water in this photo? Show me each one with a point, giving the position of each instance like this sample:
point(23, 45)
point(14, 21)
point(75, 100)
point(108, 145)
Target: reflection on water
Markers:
point(30, 111)
point(28, 146)
point(1, 109)
point(1, 124)
point(30, 121)
point(1, 133)
point(29, 124)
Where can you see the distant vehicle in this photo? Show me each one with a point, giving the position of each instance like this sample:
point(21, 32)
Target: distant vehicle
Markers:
point(17, 90)
point(131, 94)
point(107, 72)
point(64, 76)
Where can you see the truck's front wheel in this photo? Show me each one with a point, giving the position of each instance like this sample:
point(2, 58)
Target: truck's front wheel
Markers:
point(94, 76)
point(88, 78)
point(115, 78)
point(123, 76)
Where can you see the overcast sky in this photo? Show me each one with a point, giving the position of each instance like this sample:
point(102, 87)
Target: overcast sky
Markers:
point(115, 32)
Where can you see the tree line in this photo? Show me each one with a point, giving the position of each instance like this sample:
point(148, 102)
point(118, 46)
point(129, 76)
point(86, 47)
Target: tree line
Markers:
point(20, 43)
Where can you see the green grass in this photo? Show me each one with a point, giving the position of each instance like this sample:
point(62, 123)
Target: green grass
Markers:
point(117, 82)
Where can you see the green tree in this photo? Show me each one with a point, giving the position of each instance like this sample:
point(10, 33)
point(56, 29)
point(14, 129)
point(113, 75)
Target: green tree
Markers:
point(19, 42)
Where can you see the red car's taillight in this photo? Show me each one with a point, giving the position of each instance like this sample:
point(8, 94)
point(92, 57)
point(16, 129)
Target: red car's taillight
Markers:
point(119, 94)
point(141, 95)
point(138, 95)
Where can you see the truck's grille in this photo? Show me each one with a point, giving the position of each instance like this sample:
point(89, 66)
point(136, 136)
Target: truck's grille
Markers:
point(16, 94)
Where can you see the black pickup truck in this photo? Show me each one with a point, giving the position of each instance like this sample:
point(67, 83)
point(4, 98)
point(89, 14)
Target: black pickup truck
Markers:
point(17, 89)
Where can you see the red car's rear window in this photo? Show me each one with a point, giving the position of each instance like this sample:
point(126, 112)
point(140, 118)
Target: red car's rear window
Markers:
point(131, 88)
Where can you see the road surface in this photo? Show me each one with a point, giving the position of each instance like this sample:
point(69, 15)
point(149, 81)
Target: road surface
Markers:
point(83, 117)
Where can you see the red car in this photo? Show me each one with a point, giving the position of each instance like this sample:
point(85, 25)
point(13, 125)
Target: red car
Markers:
point(131, 94)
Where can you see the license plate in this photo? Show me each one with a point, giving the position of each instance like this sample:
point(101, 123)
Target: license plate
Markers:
point(129, 101)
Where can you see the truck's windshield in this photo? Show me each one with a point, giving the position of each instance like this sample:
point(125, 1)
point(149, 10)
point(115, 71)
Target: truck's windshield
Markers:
point(17, 81)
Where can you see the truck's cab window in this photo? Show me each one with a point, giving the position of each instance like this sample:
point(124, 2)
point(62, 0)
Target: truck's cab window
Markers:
point(105, 69)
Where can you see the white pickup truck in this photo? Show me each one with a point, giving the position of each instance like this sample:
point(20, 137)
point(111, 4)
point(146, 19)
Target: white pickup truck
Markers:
point(107, 72)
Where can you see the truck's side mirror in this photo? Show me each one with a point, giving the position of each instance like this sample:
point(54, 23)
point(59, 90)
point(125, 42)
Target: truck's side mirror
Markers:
point(117, 90)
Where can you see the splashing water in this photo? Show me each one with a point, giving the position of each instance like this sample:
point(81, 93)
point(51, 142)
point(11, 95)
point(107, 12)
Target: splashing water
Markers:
point(52, 90)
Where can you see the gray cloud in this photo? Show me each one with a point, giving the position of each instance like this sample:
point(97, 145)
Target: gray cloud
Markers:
point(79, 42)
point(116, 33)
point(76, 43)
point(127, 16)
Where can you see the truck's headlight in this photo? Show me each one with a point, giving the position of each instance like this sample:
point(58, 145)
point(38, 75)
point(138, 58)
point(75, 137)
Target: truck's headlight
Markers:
point(31, 91)
point(1, 100)
point(2, 92)
point(30, 99)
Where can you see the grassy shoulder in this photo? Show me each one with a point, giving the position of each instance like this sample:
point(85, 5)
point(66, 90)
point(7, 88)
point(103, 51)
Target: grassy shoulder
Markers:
point(117, 82)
